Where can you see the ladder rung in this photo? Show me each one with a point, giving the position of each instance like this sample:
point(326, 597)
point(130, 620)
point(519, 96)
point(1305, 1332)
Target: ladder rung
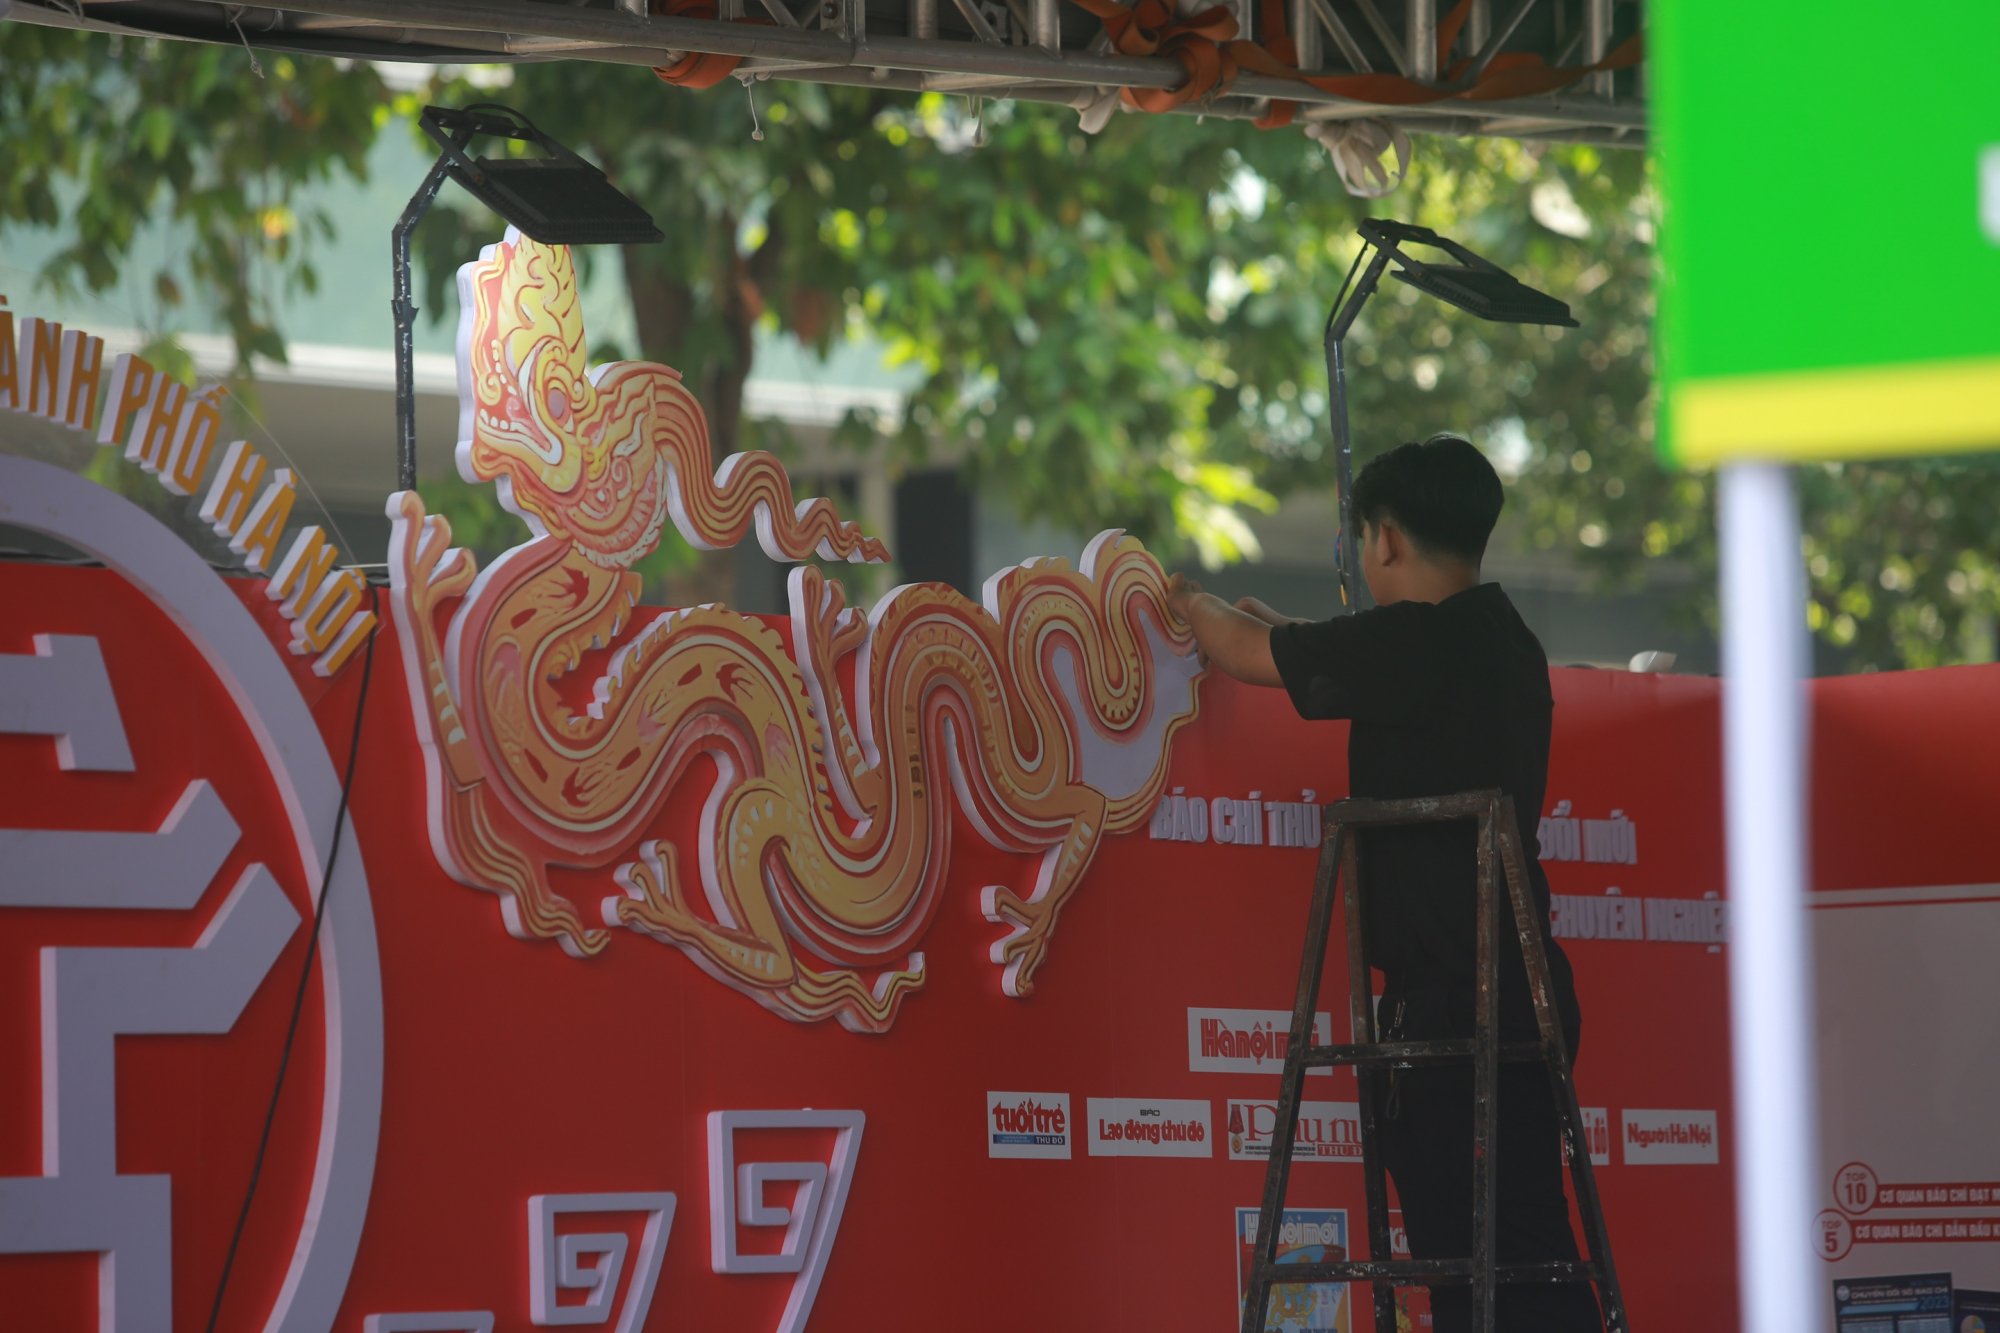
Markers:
point(1408, 1054)
point(1426, 1272)
point(1363, 812)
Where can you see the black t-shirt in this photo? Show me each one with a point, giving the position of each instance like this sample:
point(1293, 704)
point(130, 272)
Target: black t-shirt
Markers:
point(1443, 697)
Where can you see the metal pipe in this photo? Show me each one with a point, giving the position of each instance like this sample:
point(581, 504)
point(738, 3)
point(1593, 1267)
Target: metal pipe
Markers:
point(1306, 30)
point(1622, 139)
point(1348, 549)
point(1049, 94)
point(403, 309)
point(1342, 38)
point(1338, 322)
point(1764, 739)
point(1420, 39)
point(992, 85)
point(322, 23)
point(1597, 42)
point(1569, 49)
point(970, 12)
point(1364, 111)
point(1499, 39)
point(1397, 55)
point(784, 69)
point(381, 31)
point(1461, 117)
point(1626, 139)
point(546, 45)
point(1600, 138)
point(923, 20)
point(1048, 24)
point(1478, 24)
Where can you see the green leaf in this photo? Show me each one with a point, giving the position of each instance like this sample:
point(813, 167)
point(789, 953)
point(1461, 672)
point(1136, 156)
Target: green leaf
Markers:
point(156, 130)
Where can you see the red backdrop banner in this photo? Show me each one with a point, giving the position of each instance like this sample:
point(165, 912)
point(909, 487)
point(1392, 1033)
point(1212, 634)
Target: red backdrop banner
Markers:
point(1074, 1159)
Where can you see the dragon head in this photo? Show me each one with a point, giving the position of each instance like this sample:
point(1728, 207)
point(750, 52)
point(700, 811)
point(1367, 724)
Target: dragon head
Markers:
point(571, 459)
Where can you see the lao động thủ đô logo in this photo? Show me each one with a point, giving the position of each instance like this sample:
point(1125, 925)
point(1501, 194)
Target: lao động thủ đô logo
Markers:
point(557, 715)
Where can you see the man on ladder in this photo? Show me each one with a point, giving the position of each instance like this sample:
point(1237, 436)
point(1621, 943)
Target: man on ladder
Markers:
point(1447, 691)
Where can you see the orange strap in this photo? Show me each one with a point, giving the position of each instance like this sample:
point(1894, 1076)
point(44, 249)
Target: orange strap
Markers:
point(696, 69)
point(1208, 49)
point(1201, 42)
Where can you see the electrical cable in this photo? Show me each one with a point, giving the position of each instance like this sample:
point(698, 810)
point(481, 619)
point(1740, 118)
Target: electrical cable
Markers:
point(312, 953)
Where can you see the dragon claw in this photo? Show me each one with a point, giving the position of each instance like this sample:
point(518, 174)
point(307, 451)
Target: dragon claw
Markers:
point(1021, 951)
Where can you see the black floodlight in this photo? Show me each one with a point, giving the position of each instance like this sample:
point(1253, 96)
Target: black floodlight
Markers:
point(559, 199)
point(1475, 285)
point(1453, 274)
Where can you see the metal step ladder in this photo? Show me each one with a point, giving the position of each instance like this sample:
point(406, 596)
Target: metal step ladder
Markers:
point(1499, 837)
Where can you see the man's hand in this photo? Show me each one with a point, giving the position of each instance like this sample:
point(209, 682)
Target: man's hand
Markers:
point(1181, 594)
point(1226, 637)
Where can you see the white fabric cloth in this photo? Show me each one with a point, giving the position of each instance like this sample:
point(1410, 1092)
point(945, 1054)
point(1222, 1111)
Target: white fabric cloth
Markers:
point(1356, 147)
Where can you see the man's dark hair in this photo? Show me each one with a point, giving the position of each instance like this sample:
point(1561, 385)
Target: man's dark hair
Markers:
point(1442, 493)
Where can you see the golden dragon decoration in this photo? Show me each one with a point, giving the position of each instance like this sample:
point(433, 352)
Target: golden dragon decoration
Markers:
point(557, 715)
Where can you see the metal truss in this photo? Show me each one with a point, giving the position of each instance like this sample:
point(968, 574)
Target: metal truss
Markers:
point(1032, 50)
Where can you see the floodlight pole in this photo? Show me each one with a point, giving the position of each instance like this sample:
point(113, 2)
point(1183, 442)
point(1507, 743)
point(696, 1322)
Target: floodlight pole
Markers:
point(1477, 286)
point(403, 306)
point(1338, 322)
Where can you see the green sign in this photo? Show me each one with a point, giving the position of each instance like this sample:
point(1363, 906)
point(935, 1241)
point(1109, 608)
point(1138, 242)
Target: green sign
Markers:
point(1830, 252)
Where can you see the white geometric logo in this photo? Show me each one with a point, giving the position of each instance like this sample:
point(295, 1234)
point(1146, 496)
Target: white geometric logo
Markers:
point(739, 1195)
point(456, 1321)
point(92, 996)
point(558, 1262)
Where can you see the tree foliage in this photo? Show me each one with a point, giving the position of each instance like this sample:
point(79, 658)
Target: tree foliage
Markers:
point(1112, 330)
point(106, 135)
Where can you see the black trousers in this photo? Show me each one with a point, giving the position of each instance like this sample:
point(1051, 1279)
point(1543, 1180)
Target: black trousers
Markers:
point(1426, 1120)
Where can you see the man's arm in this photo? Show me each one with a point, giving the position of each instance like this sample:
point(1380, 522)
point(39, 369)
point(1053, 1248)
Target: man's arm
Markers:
point(1236, 641)
point(1251, 606)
